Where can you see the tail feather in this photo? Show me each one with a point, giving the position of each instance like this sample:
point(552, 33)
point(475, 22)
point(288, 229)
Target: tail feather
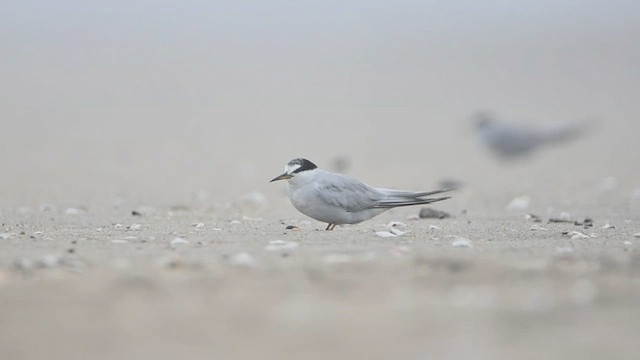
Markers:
point(387, 204)
point(568, 131)
point(410, 194)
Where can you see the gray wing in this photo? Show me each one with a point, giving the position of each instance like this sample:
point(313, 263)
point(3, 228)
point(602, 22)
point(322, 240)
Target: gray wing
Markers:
point(512, 140)
point(347, 193)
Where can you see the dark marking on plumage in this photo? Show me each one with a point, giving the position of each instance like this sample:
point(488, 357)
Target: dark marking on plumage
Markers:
point(304, 165)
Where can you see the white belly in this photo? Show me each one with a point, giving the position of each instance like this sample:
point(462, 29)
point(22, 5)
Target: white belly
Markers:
point(328, 213)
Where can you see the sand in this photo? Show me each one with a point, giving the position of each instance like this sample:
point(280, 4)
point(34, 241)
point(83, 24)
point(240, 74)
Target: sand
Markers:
point(198, 282)
point(183, 112)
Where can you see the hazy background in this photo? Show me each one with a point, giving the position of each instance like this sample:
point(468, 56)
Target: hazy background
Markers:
point(157, 100)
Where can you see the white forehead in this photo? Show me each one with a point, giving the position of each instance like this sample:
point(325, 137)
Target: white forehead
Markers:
point(290, 168)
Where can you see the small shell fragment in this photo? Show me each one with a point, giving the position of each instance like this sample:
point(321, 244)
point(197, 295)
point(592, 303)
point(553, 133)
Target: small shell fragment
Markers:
point(243, 259)
point(578, 235)
point(462, 242)
point(134, 227)
point(519, 203)
point(536, 227)
point(179, 240)
point(397, 232)
point(277, 245)
point(385, 234)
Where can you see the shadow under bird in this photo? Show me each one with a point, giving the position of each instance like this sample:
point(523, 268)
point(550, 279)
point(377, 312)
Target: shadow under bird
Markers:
point(512, 141)
point(338, 199)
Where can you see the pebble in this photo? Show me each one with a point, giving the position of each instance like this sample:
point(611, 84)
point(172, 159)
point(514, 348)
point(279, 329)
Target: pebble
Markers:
point(558, 220)
point(564, 217)
point(636, 235)
point(243, 259)
point(292, 227)
point(462, 243)
point(607, 226)
point(235, 222)
point(450, 184)
point(429, 213)
point(627, 243)
point(134, 227)
point(587, 223)
point(144, 210)
point(533, 217)
point(179, 241)
point(396, 223)
point(519, 203)
point(433, 227)
point(5, 236)
point(413, 217)
point(198, 225)
point(340, 164)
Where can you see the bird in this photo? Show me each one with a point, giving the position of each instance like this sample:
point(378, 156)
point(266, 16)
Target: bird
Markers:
point(510, 141)
point(338, 199)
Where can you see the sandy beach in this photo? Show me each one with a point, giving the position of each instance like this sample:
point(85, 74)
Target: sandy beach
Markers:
point(138, 221)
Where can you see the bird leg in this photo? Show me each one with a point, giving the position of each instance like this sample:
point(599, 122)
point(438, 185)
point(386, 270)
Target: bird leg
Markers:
point(329, 227)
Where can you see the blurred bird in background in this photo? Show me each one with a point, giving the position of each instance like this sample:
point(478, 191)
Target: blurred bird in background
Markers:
point(511, 141)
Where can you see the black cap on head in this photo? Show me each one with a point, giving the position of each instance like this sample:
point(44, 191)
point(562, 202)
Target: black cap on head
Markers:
point(301, 165)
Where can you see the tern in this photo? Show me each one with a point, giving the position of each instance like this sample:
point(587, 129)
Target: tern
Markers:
point(512, 141)
point(338, 199)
